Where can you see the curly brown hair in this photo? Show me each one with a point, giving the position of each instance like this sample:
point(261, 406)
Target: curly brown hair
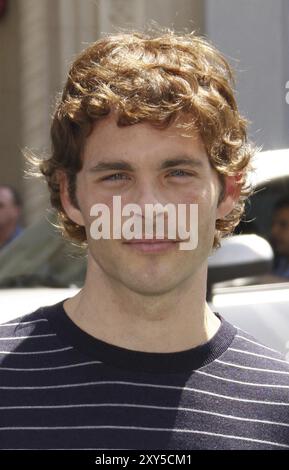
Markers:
point(152, 76)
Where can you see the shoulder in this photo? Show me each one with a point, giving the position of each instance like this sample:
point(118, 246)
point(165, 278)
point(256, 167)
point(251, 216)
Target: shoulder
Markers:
point(24, 333)
point(247, 348)
point(255, 367)
point(23, 323)
point(253, 379)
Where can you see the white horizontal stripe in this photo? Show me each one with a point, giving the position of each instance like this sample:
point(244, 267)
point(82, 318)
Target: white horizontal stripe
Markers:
point(27, 337)
point(141, 428)
point(257, 355)
point(50, 368)
point(240, 382)
point(172, 387)
point(133, 405)
point(252, 368)
point(258, 344)
point(37, 352)
point(23, 322)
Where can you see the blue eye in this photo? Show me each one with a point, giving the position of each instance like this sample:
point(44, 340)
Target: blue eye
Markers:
point(115, 177)
point(180, 173)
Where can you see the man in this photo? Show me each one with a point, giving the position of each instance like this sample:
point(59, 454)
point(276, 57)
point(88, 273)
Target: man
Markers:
point(280, 237)
point(10, 210)
point(137, 359)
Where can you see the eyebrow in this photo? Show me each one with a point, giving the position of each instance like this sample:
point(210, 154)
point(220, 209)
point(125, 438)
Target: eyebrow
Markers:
point(115, 165)
point(168, 163)
point(190, 161)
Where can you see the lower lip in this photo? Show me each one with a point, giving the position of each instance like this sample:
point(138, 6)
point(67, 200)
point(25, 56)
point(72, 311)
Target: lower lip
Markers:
point(152, 247)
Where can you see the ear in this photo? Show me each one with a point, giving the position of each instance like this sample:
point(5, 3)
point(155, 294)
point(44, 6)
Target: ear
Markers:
point(231, 195)
point(71, 210)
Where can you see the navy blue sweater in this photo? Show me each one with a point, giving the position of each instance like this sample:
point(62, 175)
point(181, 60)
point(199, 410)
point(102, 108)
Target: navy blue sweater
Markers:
point(61, 388)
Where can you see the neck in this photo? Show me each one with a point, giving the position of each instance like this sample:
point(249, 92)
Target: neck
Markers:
point(175, 321)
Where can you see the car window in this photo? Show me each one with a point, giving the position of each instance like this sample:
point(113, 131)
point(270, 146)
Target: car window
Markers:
point(259, 207)
point(257, 220)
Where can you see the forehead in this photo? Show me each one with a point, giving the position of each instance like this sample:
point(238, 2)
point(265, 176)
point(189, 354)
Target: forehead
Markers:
point(140, 143)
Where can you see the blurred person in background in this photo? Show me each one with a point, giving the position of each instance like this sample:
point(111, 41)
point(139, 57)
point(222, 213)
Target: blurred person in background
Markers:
point(280, 237)
point(10, 212)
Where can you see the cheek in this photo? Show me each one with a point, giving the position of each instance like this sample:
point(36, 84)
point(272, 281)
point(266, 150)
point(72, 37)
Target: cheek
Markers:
point(88, 195)
point(188, 195)
point(204, 195)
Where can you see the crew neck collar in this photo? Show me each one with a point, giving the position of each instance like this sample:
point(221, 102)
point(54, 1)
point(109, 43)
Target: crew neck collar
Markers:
point(140, 361)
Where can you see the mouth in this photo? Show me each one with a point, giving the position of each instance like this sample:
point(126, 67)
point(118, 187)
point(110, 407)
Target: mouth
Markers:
point(151, 245)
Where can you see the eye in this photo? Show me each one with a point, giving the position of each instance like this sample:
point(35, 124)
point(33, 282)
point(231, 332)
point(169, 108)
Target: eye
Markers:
point(115, 177)
point(178, 172)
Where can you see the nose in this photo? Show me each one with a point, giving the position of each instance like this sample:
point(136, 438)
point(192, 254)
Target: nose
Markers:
point(147, 193)
point(151, 201)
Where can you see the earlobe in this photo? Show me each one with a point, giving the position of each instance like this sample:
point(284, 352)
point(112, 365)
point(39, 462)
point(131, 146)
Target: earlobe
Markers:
point(231, 195)
point(71, 211)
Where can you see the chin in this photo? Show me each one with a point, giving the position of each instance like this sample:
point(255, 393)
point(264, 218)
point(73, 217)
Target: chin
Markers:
point(153, 283)
point(150, 290)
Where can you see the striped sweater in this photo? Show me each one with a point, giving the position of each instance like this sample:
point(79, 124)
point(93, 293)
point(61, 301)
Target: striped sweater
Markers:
point(61, 388)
